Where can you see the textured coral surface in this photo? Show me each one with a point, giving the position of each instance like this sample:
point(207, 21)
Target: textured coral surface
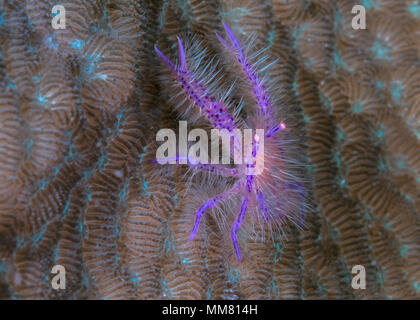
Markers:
point(79, 111)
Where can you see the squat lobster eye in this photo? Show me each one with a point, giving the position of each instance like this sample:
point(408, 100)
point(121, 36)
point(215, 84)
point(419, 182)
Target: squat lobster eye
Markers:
point(282, 125)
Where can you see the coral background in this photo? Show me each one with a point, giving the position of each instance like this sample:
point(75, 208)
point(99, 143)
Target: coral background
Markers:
point(79, 110)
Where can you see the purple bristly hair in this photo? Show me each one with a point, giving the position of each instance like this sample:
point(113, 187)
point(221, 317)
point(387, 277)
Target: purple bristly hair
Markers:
point(258, 89)
point(215, 111)
point(301, 190)
point(261, 204)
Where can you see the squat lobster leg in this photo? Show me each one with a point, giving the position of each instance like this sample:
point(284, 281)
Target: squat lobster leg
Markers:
point(215, 111)
point(236, 225)
point(210, 204)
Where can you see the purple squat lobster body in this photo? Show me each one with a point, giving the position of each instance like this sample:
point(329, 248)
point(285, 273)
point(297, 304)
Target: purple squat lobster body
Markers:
point(272, 195)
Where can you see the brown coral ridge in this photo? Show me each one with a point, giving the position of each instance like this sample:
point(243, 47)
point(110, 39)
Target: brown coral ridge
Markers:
point(79, 110)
